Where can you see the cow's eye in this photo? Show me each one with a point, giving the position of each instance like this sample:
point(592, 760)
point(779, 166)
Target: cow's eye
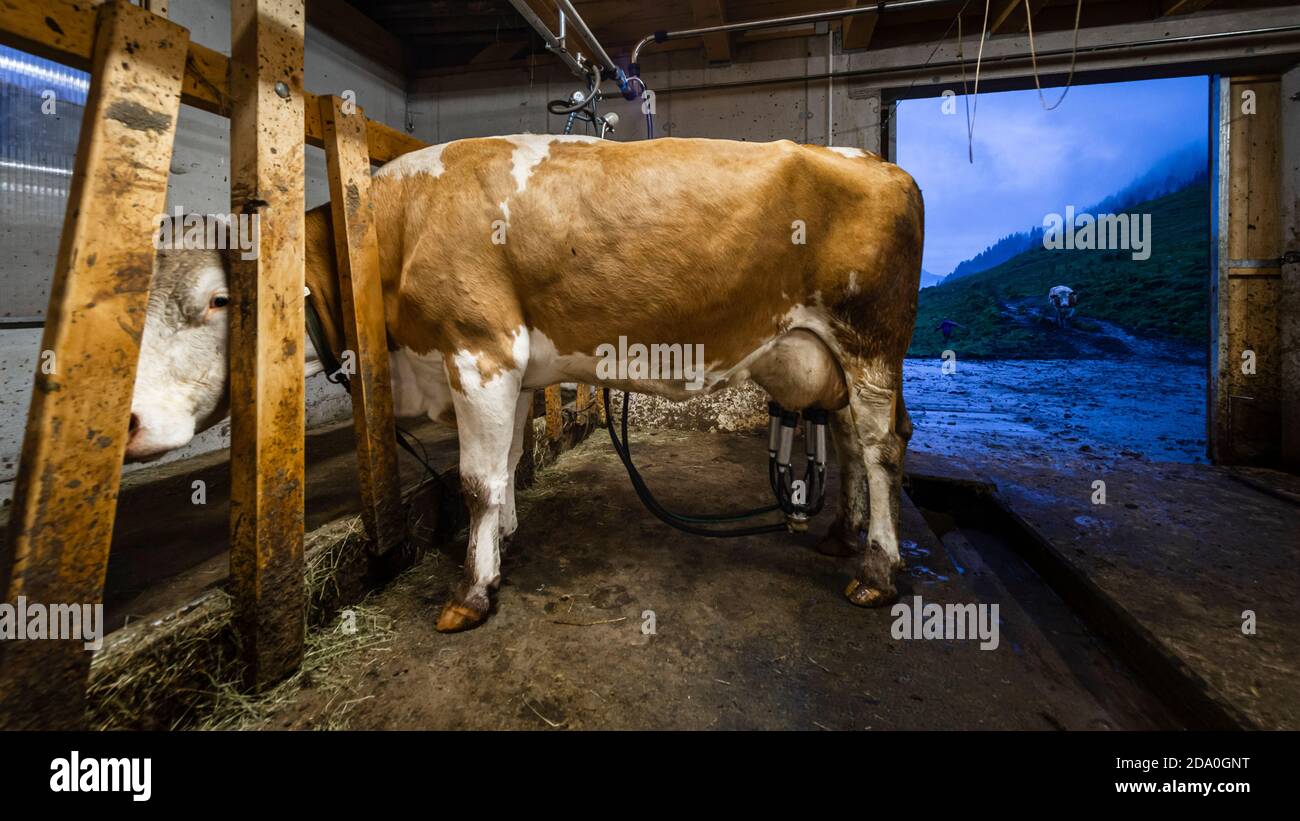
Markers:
point(219, 301)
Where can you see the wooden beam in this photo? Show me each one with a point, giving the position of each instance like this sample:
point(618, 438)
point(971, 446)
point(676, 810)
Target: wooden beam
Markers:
point(63, 30)
point(1171, 7)
point(65, 496)
point(717, 47)
point(1010, 16)
point(362, 299)
point(266, 337)
point(859, 29)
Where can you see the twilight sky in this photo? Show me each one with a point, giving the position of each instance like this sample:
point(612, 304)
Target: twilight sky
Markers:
point(1030, 162)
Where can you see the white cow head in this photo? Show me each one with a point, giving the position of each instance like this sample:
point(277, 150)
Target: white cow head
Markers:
point(180, 383)
point(1063, 297)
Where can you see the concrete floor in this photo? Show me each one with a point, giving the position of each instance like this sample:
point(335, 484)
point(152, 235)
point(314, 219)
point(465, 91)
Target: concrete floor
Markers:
point(749, 633)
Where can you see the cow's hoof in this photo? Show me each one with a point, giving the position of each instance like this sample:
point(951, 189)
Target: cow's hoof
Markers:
point(456, 617)
point(873, 586)
point(865, 595)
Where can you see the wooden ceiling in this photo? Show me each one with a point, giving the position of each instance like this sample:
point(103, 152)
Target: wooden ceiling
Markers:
point(423, 37)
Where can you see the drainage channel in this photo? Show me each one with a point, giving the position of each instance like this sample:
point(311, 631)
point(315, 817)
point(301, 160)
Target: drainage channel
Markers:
point(1094, 642)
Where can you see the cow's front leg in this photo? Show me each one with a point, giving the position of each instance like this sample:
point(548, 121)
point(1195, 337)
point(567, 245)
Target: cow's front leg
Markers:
point(486, 410)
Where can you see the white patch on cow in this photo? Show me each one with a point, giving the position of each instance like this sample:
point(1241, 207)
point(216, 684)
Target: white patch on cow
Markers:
point(532, 149)
point(424, 161)
point(181, 376)
point(547, 366)
point(853, 282)
point(420, 383)
point(811, 318)
point(486, 411)
point(509, 522)
point(505, 211)
point(846, 151)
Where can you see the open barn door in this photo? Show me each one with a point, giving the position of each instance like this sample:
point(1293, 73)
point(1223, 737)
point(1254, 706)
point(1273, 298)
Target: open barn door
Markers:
point(1246, 371)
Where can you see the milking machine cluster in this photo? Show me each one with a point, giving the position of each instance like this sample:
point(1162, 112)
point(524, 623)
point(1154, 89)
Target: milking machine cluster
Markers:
point(581, 105)
point(792, 495)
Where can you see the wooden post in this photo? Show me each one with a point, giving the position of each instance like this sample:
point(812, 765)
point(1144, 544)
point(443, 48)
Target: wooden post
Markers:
point(362, 298)
point(554, 412)
point(1245, 409)
point(266, 337)
point(65, 497)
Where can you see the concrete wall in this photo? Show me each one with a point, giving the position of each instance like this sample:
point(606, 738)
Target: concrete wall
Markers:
point(514, 101)
point(1289, 305)
point(200, 182)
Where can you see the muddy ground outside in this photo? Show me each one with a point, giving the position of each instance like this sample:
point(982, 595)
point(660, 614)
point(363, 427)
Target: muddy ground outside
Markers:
point(1059, 410)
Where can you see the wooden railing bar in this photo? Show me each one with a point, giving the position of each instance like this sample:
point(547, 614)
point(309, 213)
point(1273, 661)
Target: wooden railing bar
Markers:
point(56, 553)
point(362, 301)
point(267, 329)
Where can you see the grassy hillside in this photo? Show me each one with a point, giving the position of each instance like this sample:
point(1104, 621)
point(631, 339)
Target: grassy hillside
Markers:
point(1003, 309)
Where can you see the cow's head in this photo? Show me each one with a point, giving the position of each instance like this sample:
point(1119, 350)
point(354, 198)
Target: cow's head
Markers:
point(180, 383)
point(1063, 297)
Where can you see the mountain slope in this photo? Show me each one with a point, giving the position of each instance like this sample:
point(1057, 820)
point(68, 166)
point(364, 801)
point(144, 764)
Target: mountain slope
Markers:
point(1175, 171)
point(1003, 309)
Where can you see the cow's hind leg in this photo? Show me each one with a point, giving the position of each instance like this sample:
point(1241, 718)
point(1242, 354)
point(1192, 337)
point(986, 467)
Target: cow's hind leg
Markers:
point(883, 429)
point(852, 515)
point(486, 413)
point(523, 415)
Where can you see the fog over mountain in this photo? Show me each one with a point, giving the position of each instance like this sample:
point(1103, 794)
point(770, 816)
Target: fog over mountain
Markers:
point(1173, 172)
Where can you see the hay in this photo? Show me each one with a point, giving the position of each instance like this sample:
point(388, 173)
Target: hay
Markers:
point(182, 670)
point(336, 660)
point(156, 676)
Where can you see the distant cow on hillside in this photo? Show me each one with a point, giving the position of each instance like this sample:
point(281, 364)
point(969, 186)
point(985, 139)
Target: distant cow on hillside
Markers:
point(1064, 300)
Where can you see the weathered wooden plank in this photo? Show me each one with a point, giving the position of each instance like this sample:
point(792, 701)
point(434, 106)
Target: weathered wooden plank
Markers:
point(554, 412)
point(860, 28)
point(1247, 400)
point(266, 337)
point(1010, 16)
point(717, 47)
point(56, 552)
point(63, 30)
point(362, 301)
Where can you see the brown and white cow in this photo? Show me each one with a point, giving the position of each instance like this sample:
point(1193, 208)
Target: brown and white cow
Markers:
point(507, 262)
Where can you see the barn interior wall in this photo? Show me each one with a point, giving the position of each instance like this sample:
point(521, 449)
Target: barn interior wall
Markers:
point(199, 182)
point(1289, 304)
point(511, 101)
